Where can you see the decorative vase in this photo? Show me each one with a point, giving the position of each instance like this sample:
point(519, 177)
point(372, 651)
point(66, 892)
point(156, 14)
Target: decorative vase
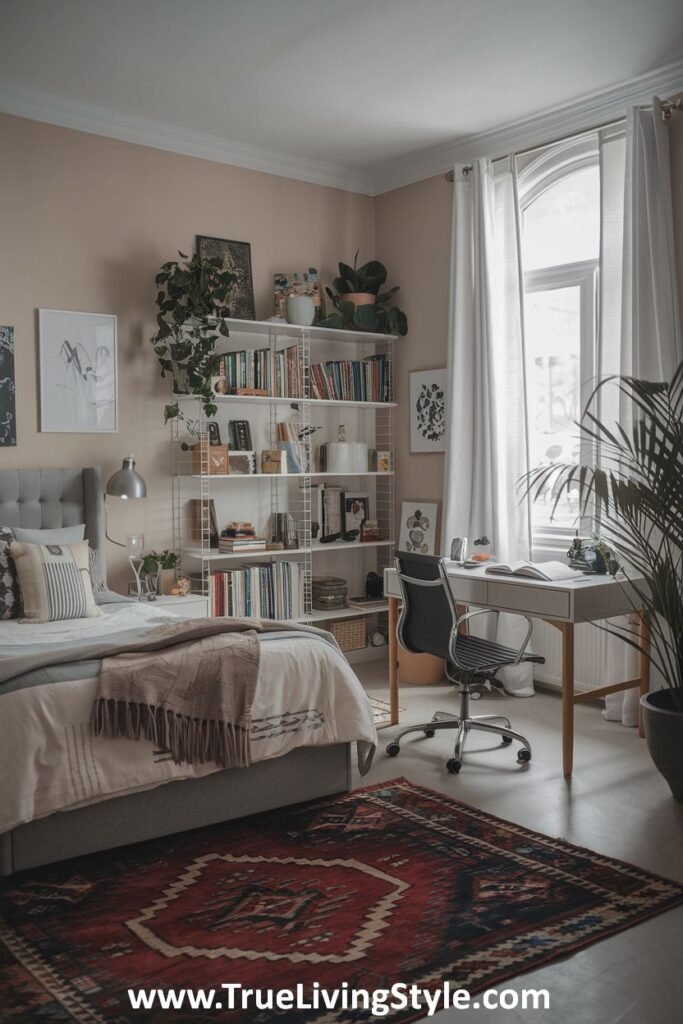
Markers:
point(165, 581)
point(359, 298)
point(664, 732)
point(300, 310)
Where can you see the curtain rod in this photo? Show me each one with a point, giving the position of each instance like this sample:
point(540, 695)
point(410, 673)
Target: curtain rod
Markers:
point(669, 107)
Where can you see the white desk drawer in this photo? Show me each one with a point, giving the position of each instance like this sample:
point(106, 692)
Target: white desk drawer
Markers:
point(515, 597)
point(468, 591)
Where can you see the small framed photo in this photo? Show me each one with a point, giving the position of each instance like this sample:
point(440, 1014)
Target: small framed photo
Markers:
point(355, 509)
point(78, 372)
point(428, 390)
point(214, 433)
point(236, 257)
point(418, 527)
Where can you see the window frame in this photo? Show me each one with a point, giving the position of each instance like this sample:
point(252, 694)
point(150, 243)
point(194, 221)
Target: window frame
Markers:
point(546, 169)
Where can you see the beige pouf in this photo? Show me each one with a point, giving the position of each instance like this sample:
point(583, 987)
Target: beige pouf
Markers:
point(419, 669)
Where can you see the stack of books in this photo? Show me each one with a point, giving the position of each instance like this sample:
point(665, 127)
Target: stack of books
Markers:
point(368, 380)
point(269, 590)
point(240, 537)
point(260, 371)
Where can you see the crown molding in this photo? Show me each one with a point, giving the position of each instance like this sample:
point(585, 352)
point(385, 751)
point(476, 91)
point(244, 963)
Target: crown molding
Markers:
point(587, 112)
point(87, 117)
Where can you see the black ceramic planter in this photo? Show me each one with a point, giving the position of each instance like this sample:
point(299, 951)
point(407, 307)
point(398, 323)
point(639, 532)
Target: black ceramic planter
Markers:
point(664, 731)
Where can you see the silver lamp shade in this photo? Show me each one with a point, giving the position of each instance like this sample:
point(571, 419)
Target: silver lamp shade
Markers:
point(126, 482)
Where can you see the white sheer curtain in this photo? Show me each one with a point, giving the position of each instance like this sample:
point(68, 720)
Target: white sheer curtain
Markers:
point(487, 447)
point(640, 328)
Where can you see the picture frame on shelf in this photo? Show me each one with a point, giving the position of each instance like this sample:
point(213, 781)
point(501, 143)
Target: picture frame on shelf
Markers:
point(78, 372)
point(8, 414)
point(355, 511)
point(214, 433)
point(296, 282)
point(236, 257)
point(428, 398)
point(418, 533)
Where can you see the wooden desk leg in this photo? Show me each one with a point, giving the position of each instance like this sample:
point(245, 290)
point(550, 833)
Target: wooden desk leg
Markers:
point(644, 630)
point(567, 698)
point(393, 659)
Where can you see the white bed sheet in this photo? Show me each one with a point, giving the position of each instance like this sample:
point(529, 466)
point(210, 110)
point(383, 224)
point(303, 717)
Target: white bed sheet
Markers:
point(306, 695)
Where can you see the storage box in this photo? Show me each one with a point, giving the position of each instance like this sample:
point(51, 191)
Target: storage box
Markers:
point(350, 634)
point(210, 458)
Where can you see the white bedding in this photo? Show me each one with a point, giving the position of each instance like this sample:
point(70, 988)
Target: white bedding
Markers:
point(306, 695)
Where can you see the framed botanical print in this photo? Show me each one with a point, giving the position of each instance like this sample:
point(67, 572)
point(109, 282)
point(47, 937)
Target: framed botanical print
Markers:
point(78, 372)
point(236, 258)
point(428, 411)
point(418, 527)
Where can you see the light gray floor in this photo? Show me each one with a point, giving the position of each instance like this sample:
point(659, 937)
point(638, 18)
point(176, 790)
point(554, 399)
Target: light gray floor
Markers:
point(615, 804)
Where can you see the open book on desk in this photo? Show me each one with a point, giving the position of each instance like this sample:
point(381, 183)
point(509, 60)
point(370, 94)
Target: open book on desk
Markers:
point(549, 571)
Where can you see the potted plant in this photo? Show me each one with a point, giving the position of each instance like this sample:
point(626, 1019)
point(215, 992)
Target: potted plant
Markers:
point(160, 568)
point(191, 301)
point(635, 491)
point(359, 302)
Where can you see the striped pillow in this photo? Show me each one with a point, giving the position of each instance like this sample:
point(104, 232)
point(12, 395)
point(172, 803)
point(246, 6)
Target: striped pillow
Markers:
point(55, 581)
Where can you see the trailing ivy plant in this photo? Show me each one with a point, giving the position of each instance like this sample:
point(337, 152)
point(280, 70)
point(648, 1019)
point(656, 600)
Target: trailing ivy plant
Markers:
point(378, 316)
point(191, 301)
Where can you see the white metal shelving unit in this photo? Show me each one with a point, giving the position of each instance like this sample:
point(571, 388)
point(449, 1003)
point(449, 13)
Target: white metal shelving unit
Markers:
point(263, 493)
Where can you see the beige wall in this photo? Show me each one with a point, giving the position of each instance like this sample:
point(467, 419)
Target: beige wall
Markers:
point(413, 240)
point(85, 223)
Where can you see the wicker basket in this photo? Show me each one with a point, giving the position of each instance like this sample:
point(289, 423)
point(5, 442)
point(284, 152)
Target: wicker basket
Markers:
point(350, 634)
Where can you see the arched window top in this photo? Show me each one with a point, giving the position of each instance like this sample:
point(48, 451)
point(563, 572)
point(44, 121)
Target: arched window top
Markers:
point(560, 200)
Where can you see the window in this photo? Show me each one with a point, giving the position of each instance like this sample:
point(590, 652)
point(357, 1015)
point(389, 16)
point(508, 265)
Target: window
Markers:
point(560, 201)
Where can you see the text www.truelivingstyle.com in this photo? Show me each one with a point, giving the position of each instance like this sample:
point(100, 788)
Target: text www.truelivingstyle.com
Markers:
point(379, 1002)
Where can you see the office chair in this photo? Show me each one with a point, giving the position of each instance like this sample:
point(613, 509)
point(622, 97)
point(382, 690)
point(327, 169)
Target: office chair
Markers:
point(429, 623)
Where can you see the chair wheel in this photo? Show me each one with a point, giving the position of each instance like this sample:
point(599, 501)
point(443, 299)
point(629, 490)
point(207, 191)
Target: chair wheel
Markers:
point(523, 755)
point(453, 765)
point(507, 740)
point(393, 749)
point(429, 733)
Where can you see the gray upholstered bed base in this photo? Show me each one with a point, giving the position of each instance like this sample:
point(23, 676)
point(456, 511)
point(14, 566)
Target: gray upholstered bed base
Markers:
point(42, 498)
point(304, 774)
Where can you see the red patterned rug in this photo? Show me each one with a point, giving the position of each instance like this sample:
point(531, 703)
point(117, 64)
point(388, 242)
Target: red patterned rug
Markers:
point(389, 884)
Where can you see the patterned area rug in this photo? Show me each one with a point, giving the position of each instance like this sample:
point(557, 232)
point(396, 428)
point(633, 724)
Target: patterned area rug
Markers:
point(381, 712)
point(389, 883)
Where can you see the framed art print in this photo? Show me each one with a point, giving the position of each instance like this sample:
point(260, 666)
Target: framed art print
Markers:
point(8, 415)
point(428, 411)
point(356, 509)
point(236, 257)
point(418, 527)
point(78, 372)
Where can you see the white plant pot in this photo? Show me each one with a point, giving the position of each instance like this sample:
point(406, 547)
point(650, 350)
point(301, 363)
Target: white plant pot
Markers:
point(300, 310)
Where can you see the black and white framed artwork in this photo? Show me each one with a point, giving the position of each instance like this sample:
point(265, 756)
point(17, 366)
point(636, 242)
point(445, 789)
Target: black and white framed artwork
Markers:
point(8, 415)
point(78, 372)
point(428, 411)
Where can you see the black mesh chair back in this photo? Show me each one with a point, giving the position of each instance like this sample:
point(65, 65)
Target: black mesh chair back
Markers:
point(426, 621)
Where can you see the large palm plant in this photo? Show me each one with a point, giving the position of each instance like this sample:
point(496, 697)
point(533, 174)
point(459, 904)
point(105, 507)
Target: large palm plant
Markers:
point(635, 493)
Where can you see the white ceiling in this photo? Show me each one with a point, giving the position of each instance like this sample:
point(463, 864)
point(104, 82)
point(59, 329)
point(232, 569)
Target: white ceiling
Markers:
point(347, 85)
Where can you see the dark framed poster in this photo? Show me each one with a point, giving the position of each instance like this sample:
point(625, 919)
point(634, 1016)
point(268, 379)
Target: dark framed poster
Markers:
point(236, 257)
point(8, 413)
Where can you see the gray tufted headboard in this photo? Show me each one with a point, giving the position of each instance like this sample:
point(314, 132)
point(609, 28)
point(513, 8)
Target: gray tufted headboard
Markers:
point(39, 499)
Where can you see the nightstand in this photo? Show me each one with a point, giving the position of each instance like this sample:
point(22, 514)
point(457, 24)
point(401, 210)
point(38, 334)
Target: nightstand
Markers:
point(190, 606)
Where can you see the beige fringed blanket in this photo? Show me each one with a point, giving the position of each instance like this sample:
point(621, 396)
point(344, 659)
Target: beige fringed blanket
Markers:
point(188, 687)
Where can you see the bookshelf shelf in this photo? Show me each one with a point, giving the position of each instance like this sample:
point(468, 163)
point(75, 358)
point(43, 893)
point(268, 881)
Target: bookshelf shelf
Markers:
point(294, 358)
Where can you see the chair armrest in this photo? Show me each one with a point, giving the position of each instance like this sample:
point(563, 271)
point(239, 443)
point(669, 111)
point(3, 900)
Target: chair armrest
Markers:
point(496, 611)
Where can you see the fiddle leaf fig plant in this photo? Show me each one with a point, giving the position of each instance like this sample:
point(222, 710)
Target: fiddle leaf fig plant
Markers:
point(192, 300)
point(379, 316)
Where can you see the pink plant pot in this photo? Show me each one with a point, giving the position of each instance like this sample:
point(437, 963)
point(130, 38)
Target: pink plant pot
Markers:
point(359, 298)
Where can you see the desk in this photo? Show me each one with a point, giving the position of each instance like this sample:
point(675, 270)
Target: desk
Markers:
point(562, 604)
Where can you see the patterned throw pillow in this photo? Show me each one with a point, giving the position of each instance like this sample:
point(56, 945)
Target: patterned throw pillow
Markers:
point(99, 584)
point(55, 581)
point(10, 598)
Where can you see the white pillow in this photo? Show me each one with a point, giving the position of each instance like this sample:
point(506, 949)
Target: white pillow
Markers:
point(63, 535)
point(55, 581)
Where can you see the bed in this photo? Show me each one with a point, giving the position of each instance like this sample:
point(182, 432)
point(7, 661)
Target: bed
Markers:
point(65, 793)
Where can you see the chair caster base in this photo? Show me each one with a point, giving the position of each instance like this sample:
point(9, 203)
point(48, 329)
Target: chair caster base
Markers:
point(453, 765)
point(393, 749)
point(507, 740)
point(524, 756)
